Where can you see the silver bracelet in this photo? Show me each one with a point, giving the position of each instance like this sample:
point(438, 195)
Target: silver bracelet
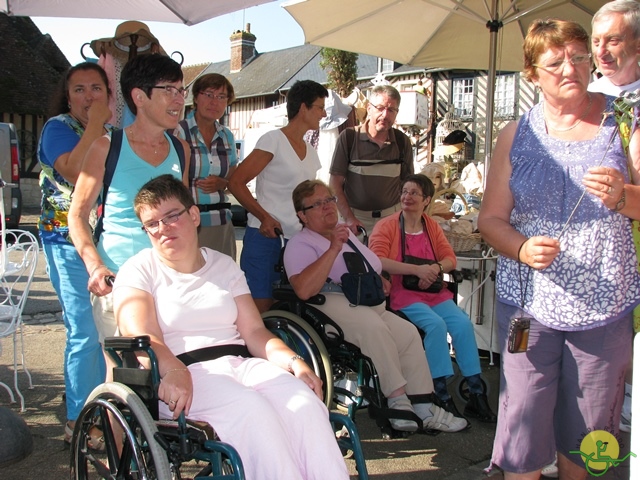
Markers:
point(293, 359)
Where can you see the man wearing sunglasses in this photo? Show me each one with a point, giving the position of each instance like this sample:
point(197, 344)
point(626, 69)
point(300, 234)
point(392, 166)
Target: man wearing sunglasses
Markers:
point(369, 163)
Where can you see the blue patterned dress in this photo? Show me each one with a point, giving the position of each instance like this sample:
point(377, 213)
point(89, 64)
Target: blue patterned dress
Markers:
point(593, 281)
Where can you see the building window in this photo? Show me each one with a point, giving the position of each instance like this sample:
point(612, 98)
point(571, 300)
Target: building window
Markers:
point(504, 99)
point(462, 97)
point(385, 66)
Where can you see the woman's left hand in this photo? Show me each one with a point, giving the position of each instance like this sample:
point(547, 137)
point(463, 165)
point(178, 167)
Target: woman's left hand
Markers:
point(211, 184)
point(302, 371)
point(606, 183)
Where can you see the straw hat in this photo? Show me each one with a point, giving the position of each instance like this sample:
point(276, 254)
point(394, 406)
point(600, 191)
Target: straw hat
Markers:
point(131, 38)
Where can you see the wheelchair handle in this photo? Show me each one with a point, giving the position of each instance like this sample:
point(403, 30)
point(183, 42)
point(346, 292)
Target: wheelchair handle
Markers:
point(109, 279)
point(365, 237)
point(280, 235)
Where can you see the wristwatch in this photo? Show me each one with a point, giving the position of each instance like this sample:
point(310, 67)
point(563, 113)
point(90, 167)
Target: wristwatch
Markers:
point(441, 268)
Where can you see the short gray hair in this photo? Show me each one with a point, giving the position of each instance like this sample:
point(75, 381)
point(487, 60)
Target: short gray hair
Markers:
point(387, 90)
point(629, 9)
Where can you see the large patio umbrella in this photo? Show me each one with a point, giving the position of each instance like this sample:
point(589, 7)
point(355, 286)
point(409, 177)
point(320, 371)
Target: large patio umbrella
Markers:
point(188, 12)
point(466, 34)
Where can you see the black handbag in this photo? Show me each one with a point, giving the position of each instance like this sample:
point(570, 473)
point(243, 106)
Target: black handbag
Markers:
point(411, 282)
point(362, 288)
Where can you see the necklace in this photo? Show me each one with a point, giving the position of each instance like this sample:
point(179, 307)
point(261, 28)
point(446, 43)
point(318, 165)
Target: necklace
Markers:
point(562, 130)
point(155, 147)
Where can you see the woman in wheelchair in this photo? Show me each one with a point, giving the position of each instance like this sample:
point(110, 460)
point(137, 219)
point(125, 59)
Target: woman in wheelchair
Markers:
point(315, 255)
point(435, 313)
point(217, 361)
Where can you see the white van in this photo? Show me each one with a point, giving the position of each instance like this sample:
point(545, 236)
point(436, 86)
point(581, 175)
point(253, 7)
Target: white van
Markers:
point(10, 173)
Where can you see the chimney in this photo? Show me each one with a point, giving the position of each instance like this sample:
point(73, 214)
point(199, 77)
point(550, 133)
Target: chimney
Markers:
point(242, 48)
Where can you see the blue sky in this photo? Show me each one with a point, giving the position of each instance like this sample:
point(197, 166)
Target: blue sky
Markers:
point(208, 41)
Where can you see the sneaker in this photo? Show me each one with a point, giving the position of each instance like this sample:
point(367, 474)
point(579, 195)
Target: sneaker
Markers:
point(401, 424)
point(551, 470)
point(443, 421)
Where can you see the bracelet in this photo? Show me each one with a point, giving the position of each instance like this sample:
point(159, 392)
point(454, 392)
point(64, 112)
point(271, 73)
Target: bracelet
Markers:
point(520, 249)
point(441, 268)
point(102, 265)
point(622, 202)
point(175, 370)
point(293, 359)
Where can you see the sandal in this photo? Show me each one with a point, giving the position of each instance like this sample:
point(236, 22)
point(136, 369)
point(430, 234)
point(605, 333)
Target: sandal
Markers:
point(68, 433)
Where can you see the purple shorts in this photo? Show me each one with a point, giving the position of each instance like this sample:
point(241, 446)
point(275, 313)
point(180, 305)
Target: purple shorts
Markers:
point(566, 385)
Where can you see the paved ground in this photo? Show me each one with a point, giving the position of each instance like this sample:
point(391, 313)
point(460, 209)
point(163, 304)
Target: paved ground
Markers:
point(460, 456)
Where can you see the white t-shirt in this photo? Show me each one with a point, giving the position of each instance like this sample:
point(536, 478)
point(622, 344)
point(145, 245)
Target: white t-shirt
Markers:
point(604, 85)
point(282, 174)
point(194, 310)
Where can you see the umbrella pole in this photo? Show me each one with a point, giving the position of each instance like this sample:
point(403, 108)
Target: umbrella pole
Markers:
point(493, 26)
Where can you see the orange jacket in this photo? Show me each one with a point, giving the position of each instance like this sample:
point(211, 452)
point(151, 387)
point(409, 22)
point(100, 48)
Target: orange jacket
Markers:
point(385, 239)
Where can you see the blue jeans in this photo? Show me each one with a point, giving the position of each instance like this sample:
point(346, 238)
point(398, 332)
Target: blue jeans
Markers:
point(436, 322)
point(84, 365)
point(258, 259)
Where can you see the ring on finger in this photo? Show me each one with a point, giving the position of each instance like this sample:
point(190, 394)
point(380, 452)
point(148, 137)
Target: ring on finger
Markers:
point(172, 402)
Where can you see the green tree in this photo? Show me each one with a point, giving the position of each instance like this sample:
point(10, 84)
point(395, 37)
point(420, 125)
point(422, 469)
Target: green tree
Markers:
point(341, 69)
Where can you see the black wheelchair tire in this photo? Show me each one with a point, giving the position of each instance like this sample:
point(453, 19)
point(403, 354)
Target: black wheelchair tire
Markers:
point(115, 402)
point(316, 351)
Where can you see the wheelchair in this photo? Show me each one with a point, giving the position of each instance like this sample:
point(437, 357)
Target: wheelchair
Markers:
point(138, 445)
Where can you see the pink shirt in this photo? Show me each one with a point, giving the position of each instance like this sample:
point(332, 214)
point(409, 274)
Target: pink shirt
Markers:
point(417, 246)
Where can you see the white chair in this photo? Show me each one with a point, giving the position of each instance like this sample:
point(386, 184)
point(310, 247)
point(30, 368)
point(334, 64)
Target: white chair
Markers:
point(19, 260)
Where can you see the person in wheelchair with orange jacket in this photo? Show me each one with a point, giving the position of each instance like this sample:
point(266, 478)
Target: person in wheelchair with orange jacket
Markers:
point(403, 241)
point(318, 253)
point(218, 362)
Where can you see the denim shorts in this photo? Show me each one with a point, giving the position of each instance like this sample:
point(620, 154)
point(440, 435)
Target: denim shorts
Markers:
point(258, 260)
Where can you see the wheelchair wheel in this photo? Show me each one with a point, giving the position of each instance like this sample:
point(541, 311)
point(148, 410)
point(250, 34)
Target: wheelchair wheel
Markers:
point(305, 341)
point(130, 449)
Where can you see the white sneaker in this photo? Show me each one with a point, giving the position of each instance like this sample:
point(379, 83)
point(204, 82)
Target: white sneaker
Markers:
point(551, 470)
point(444, 421)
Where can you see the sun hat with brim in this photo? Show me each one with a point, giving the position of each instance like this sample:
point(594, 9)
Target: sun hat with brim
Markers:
point(448, 149)
point(131, 36)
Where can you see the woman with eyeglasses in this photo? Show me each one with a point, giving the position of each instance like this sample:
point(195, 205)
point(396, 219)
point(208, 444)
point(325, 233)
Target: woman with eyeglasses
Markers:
point(280, 161)
point(152, 88)
point(79, 115)
point(213, 160)
point(315, 260)
point(435, 312)
point(556, 209)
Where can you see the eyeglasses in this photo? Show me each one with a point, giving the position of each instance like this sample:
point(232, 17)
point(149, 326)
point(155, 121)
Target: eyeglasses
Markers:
point(382, 108)
point(172, 91)
point(212, 96)
point(320, 203)
point(556, 66)
point(412, 193)
point(153, 226)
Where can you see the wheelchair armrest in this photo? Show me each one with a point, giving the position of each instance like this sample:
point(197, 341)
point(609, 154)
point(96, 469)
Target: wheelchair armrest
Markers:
point(141, 342)
point(286, 294)
point(454, 276)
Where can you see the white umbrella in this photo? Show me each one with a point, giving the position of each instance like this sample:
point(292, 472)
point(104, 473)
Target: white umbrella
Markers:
point(468, 34)
point(188, 12)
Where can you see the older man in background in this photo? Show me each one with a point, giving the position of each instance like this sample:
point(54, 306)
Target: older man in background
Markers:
point(369, 163)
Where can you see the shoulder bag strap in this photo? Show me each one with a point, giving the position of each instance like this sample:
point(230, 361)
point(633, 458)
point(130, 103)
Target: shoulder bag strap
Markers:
point(355, 249)
point(402, 236)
